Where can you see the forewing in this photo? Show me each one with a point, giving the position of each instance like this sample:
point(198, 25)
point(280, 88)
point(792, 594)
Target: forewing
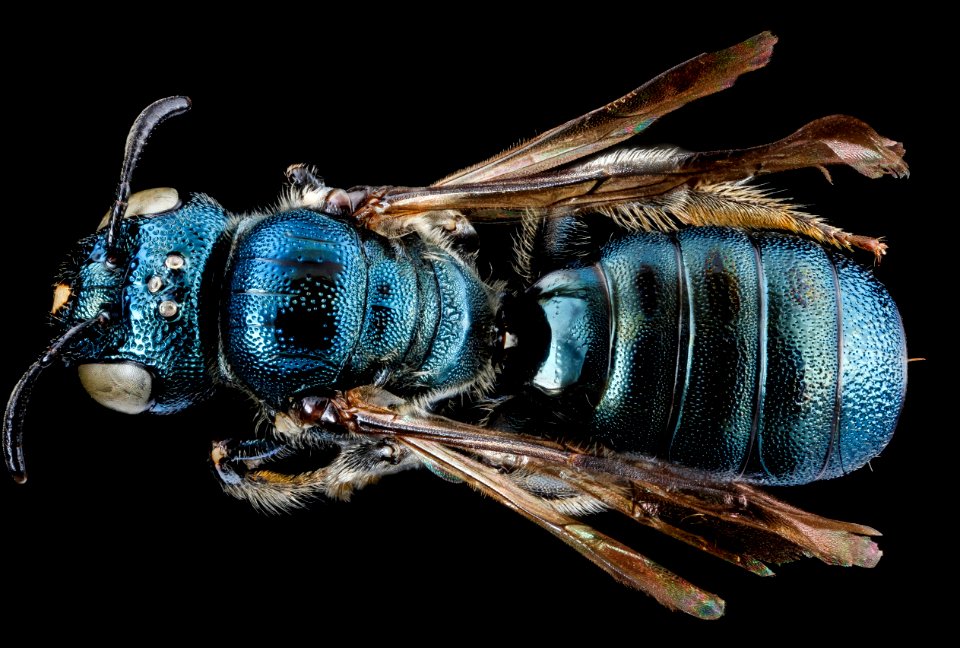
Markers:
point(734, 521)
point(623, 563)
point(625, 117)
point(642, 485)
point(641, 175)
point(567, 170)
point(662, 188)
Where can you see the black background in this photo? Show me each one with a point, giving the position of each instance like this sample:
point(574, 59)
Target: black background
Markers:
point(122, 522)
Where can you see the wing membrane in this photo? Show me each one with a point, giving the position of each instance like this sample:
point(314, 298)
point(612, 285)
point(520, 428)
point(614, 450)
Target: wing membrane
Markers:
point(663, 188)
point(549, 483)
point(731, 504)
point(621, 119)
point(634, 175)
point(565, 169)
point(624, 564)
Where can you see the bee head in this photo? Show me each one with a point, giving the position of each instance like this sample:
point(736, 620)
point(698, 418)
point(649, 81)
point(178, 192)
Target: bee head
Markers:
point(155, 351)
point(128, 300)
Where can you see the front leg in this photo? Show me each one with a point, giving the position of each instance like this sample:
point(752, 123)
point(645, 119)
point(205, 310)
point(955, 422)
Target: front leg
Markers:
point(442, 226)
point(253, 470)
point(308, 190)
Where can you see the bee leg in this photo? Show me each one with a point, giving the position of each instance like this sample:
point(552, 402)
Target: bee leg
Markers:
point(365, 462)
point(308, 190)
point(730, 204)
point(244, 471)
point(557, 494)
point(441, 226)
point(304, 177)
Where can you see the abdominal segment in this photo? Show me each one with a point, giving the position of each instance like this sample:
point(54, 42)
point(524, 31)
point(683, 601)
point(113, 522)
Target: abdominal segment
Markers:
point(757, 356)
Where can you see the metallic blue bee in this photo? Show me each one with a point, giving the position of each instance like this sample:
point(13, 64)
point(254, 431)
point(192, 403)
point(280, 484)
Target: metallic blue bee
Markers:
point(703, 339)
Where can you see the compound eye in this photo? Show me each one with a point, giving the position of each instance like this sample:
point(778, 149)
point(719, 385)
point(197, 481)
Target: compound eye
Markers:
point(147, 203)
point(121, 386)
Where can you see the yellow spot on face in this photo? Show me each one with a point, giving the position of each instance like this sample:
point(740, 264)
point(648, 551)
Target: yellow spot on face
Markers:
point(61, 293)
point(218, 454)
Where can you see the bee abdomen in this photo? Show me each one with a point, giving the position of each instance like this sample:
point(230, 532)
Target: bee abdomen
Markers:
point(761, 357)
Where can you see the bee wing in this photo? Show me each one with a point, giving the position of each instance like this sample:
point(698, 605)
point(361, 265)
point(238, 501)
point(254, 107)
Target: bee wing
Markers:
point(550, 484)
point(638, 174)
point(641, 488)
point(567, 168)
point(733, 521)
point(661, 188)
point(625, 117)
point(623, 563)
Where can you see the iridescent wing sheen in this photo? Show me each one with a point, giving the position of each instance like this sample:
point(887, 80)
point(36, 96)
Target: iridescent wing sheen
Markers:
point(568, 170)
point(636, 174)
point(730, 520)
point(658, 188)
point(623, 563)
point(625, 117)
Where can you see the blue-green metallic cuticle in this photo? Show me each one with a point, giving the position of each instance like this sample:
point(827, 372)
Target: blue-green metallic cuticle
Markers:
point(755, 356)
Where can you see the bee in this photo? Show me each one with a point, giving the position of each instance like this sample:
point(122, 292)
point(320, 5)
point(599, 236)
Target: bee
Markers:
point(356, 320)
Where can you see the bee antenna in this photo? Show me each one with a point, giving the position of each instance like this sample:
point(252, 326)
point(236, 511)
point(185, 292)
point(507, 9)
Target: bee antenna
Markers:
point(17, 405)
point(151, 117)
